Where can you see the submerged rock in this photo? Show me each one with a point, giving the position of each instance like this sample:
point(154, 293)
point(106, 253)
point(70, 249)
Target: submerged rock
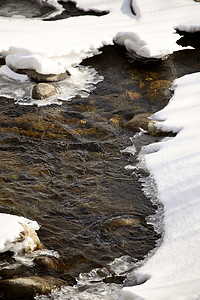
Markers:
point(119, 222)
point(43, 90)
point(51, 263)
point(38, 77)
point(28, 287)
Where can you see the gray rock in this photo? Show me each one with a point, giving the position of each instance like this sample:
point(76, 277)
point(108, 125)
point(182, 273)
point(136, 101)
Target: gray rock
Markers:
point(28, 287)
point(143, 121)
point(35, 76)
point(43, 90)
point(139, 121)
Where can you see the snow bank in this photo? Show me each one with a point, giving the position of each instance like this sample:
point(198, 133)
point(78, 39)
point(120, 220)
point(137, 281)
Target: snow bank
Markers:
point(11, 227)
point(54, 46)
point(174, 270)
point(5, 71)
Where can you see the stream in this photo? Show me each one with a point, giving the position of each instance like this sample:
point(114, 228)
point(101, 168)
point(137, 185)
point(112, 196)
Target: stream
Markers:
point(64, 166)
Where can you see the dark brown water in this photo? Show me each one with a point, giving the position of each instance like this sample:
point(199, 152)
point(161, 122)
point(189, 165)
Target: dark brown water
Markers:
point(62, 166)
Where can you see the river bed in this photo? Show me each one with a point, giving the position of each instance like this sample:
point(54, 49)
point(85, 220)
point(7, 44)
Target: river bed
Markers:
point(64, 166)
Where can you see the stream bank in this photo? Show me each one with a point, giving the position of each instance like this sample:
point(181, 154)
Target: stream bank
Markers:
point(63, 166)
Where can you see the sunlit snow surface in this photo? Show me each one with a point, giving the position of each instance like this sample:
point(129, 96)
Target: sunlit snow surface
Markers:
point(174, 270)
point(53, 47)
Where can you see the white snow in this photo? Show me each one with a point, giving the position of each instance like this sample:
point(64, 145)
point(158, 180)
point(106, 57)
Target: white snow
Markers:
point(5, 71)
point(174, 270)
point(54, 46)
point(11, 227)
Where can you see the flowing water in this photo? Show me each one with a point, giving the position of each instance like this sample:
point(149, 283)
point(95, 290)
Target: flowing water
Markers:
point(63, 166)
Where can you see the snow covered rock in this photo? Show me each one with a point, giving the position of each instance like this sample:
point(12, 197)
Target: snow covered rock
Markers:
point(153, 130)
point(43, 90)
point(18, 234)
point(30, 234)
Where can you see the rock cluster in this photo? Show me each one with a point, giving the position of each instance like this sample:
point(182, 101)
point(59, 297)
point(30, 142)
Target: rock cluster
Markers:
point(43, 89)
point(18, 281)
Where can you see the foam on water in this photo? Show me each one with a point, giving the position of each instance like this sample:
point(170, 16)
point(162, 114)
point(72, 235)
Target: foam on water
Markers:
point(90, 285)
point(99, 291)
point(81, 82)
point(150, 190)
point(27, 259)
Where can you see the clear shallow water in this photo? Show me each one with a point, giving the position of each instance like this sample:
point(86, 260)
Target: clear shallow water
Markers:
point(63, 166)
